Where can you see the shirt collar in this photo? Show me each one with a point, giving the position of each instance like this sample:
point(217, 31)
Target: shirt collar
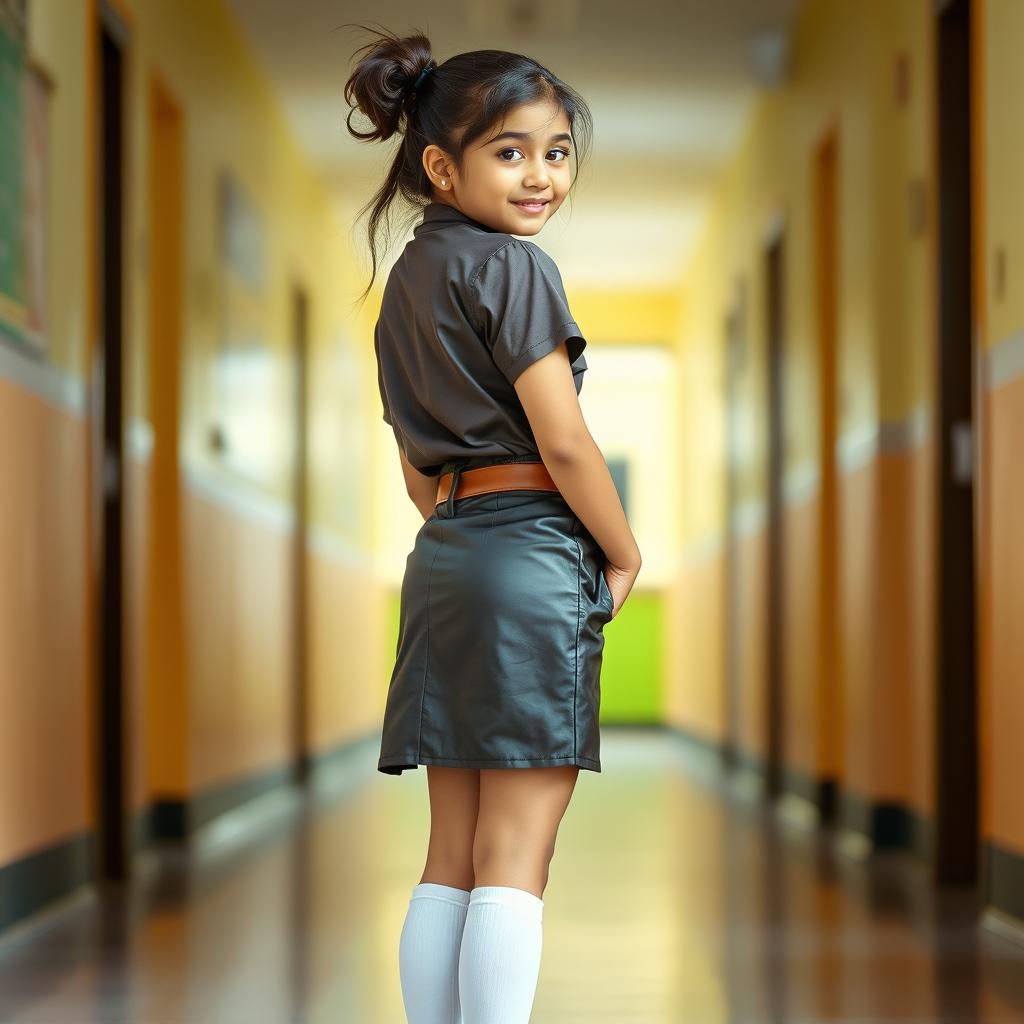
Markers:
point(436, 215)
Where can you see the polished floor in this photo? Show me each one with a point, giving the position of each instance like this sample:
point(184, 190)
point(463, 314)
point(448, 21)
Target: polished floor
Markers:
point(673, 898)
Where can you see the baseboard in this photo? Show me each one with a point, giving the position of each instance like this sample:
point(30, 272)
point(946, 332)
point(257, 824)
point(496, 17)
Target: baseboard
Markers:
point(39, 879)
point(878, 825)
point(1004, 879)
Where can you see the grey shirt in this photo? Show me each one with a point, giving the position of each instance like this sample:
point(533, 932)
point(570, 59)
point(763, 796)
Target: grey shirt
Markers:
point(465, 310)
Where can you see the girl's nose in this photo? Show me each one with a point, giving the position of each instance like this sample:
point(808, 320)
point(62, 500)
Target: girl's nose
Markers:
point(536, 174)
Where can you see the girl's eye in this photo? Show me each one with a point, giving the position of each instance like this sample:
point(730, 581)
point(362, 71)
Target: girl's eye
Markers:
point(564, 152)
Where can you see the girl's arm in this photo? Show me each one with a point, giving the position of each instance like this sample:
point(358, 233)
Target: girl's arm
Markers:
point(577, 466)
point(420, 488)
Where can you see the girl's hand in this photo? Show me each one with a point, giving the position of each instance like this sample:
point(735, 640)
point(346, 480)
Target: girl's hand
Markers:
point(620, 580)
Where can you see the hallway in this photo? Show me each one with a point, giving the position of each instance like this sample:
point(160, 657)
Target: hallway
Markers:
point(794, 257)
point(718, 912)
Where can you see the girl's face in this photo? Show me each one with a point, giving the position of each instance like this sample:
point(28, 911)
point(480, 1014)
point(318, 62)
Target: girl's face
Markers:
point(514, 177)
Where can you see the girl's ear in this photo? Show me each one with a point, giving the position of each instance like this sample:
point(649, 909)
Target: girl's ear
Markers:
point(437, 165)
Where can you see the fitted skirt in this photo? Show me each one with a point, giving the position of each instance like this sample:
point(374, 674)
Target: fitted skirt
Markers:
point(500, 642)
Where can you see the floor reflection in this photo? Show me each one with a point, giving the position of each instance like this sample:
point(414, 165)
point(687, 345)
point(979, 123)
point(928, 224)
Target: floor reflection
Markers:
point(674, 896)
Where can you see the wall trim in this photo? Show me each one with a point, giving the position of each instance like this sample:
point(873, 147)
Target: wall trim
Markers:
point(818, 792)
point(860, 446)
point(65, 391)
point(751, 516)
point(865, 824)
point(249, 503)
point(244, 500)
point(698, 552)
point(801, 483)
point(1004, 878)
point(33, 882)
point(180, 818)
point(332, 547)
point(897, 437)
point(139, 438)
point(855, 449)
point(1006, 926)
point(1004, 361)
point(885, 824)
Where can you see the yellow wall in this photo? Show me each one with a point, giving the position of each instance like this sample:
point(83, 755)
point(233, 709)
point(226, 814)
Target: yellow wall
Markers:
point(869, 727)
point(1001, 372)
point(237, 530)
point(236, 558)
point(842, 78)
point(880, 748)
point(45, 792)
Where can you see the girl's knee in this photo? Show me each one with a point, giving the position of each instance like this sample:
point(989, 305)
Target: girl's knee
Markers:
point(501, 848)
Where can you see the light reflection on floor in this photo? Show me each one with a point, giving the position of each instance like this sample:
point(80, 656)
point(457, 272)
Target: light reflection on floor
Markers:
point(673, 897)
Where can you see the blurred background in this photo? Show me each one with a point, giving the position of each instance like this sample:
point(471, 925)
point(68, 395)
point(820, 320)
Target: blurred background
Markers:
point(792, 254)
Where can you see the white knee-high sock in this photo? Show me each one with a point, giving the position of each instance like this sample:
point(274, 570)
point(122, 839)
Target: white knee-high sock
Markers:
point(500, 958)
point(428, 953)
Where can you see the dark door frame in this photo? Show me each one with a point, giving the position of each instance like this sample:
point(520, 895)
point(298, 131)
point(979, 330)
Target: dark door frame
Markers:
point(775, 621)
point(734, 331)
point(110, 43)
point(301, 753)
point(955, 855)
point(830, 682)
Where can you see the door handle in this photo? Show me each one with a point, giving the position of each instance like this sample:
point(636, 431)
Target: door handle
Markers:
point(961, 437)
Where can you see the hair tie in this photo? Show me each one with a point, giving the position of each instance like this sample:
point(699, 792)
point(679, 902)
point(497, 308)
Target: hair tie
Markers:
point(423, 74)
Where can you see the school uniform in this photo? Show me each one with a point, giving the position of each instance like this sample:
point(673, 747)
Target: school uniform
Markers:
point(504, 600)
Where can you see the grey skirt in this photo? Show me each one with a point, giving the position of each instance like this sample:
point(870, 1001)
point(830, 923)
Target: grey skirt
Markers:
point(498, 663)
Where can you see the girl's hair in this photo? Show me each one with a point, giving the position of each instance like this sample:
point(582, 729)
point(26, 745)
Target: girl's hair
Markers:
point(455, 104)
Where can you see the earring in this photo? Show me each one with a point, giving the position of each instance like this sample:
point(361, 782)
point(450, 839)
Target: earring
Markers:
point(444, 183)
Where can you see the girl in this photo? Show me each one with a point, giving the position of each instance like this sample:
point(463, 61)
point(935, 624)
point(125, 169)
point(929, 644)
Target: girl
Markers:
point(525, 552)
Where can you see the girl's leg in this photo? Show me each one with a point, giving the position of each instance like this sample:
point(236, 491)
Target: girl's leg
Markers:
point(454, 805)
point(428, 952)
point(499, 962)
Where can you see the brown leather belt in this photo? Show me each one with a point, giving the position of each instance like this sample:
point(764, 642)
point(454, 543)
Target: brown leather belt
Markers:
point(507, 476)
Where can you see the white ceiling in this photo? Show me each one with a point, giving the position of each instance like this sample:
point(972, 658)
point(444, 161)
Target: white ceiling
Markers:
point(670, 85)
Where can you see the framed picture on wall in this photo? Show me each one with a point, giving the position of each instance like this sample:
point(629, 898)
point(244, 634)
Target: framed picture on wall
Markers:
point(39, 86)
point(249, 391)
point(25, 90)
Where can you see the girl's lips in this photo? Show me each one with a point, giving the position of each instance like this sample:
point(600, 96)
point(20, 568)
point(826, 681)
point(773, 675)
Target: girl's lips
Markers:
point(530, 207)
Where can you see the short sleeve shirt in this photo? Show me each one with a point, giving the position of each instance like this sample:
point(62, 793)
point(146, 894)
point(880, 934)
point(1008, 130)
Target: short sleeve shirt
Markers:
point(465, 310)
